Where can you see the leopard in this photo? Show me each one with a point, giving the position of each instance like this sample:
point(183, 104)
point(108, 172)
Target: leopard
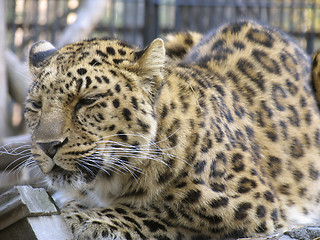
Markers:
point(212, 136)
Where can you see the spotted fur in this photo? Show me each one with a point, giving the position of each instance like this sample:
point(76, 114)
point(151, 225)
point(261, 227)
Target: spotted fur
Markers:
point(217, 140)
point(178, 45)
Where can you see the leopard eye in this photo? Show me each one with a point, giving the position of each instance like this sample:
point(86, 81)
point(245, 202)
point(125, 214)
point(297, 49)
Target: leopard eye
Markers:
point(84, 102)
point(37, 105)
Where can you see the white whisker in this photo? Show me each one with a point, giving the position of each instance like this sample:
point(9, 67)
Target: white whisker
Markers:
point(21, 164)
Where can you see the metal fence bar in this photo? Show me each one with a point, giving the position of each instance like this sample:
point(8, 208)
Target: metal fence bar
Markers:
point(310, 37)
point(151, 21)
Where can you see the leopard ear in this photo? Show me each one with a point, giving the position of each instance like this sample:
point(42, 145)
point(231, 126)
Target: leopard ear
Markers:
point(150, 62)
point(39, 52)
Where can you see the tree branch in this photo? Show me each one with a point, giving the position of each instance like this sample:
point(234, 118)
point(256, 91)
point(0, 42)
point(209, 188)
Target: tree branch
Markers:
point(89, 14)
point(19, 77)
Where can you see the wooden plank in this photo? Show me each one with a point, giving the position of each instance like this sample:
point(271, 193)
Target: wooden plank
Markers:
point(24, 201)
point(38, 228)
point(30, 213)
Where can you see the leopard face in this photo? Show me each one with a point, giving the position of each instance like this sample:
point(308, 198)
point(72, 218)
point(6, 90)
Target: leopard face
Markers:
point(95, 104)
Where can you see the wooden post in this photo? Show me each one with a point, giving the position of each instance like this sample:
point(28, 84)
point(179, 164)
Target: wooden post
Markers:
point(3, 80)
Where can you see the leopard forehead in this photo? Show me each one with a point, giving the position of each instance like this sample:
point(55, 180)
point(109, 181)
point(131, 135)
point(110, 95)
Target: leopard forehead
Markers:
point(88, 62)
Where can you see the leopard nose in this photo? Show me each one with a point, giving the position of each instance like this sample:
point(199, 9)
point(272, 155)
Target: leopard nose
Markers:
point(51, 148)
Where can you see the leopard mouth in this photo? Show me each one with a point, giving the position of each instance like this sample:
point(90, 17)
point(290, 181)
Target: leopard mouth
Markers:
point(86, 171)
point(59, 170)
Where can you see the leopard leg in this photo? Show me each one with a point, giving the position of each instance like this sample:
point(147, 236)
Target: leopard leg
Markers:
point(123, 222)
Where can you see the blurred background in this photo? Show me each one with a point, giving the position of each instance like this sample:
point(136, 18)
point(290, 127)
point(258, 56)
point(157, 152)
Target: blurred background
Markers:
point(23, 22)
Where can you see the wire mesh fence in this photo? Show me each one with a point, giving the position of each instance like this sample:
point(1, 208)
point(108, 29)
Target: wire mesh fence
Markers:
point(140, 21)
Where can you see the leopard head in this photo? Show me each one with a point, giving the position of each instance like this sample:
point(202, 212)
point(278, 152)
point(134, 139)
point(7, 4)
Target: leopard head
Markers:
point(91, 108)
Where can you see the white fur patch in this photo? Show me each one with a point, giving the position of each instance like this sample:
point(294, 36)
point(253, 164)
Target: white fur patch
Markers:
point(296, 217)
